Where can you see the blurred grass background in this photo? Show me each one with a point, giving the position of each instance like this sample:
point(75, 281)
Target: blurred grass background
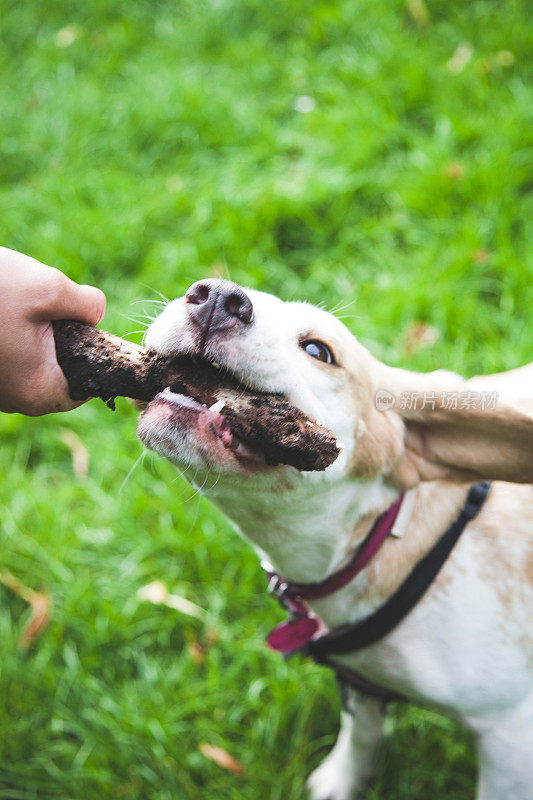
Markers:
point(377, 154)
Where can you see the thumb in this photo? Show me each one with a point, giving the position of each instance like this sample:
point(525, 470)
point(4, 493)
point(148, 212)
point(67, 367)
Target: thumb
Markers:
point(76, 301)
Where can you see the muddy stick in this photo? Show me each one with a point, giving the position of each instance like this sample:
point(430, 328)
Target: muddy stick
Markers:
point(99, 364)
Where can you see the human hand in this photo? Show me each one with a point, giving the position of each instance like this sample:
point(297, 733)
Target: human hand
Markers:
point(31, 296)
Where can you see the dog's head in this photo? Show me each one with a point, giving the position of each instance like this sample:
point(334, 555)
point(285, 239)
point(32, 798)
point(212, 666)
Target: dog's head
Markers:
point(291, 349)
point(308, 356)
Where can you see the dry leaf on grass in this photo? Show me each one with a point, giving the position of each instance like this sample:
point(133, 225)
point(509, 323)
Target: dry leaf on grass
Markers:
point(420, 335)
point(461, 56)
point(503, 58)
point(80, 456)
point(40, 617)
point(480, 256)
point(67, 36)
point(221, 757)
point(196, 651)
point(156, 592)
point(40, 608)
point(418, 12)
point(199, 649)
point(454, 170)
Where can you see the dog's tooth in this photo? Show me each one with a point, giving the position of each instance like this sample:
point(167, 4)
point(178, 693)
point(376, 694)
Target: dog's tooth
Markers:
point(166, 391)
point(216, 364)
point(218, 406)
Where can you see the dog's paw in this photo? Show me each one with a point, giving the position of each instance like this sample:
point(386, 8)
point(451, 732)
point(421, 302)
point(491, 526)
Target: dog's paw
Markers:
point(333, 780)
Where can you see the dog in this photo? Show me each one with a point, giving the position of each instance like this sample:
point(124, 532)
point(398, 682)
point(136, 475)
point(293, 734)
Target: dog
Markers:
point(466, 647)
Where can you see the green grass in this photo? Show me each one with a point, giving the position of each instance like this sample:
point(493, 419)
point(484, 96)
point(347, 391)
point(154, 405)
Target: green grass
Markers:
point(144, 145)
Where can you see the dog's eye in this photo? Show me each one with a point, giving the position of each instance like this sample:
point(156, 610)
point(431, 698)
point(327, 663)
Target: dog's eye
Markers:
point(318, 350)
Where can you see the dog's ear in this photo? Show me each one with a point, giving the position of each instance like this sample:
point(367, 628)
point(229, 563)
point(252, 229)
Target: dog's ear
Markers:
point(459, 433)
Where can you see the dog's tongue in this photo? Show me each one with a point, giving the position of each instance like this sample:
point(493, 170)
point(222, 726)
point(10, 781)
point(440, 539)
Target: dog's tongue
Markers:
point(98, 364)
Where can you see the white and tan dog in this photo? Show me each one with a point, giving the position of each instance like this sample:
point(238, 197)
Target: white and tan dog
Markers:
point(467, 647)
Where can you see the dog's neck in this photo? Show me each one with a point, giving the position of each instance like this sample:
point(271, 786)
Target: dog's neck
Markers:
point(303, 524)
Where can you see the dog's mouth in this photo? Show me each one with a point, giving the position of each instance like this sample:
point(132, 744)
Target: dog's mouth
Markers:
point(211, 417)
point(187, 424)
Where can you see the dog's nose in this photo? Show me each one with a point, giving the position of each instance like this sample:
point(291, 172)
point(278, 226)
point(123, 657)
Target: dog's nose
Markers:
point(217, 305)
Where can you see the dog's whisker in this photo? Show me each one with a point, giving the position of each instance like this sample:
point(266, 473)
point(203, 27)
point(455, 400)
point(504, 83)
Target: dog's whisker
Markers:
point(151, 302)
point(131, 333)
point(151, 317)
point(155, 291)
point(137, 461)
point(131, 318)
point(178, 476)
point(199, 489)
point(216, 481)
point(339, 307)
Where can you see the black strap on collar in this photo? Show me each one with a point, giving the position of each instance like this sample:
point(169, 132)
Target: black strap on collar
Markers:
point(349, 679)
point(349, 638)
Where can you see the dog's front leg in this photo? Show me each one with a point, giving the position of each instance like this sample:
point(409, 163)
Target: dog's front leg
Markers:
point(349, 766)
point(505, 751)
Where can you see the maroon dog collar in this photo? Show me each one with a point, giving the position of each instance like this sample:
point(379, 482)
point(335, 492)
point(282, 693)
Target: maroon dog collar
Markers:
point(303, 625)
